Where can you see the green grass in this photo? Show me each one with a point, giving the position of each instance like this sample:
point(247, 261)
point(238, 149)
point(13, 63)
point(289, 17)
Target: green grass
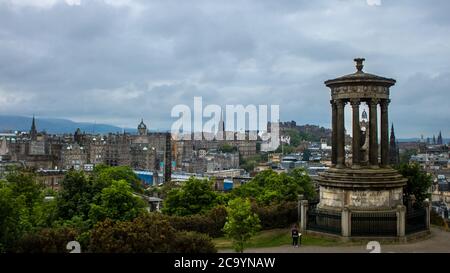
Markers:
point(275, 237)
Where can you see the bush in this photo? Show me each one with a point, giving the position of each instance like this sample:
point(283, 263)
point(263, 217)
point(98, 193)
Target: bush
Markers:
point(145, 234)
point(437, 220)
point(151, 233)
point(210, 223)
point(48, 240)
point(192, 242)
point(277, 215)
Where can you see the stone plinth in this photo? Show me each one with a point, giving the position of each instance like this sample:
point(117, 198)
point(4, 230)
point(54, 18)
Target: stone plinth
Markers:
point(361, 189)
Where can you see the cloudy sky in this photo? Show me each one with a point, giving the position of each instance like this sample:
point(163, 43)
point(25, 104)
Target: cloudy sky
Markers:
point(116, 61)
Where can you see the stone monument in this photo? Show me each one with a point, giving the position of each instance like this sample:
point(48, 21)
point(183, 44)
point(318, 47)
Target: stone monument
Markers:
point(361, 184)
point(362, 198)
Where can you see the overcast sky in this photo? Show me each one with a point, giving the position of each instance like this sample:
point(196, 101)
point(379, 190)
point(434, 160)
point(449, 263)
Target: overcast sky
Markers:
point(115, 61)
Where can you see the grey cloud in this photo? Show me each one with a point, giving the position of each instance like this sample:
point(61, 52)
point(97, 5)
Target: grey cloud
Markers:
point(118, 63)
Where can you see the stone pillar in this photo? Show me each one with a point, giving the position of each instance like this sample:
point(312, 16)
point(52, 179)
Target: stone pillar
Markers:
point(333, 133)
point(303, 215)
point(356, 147)
point(346, 222)
point(384, 133)
point(401, 220)
point(427, 206)
point(373, 133)
point(340, 137)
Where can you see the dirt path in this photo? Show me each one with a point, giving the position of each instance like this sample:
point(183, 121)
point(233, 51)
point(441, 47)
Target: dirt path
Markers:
point(438, 242)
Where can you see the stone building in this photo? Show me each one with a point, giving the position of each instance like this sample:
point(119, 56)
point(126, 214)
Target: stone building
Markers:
point(74, 156)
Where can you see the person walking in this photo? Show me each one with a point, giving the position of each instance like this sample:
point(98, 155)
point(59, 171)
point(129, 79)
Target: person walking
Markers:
point(295, 235)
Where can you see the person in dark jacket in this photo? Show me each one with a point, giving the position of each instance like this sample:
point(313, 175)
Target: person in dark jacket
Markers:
point(295, 236)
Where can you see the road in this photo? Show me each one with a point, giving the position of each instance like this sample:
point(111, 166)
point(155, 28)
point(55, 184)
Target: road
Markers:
point(439, 242)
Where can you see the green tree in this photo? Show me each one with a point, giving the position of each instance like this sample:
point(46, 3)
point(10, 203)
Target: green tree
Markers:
point(227, 148)
point(103, 175)
point(47, 240)
point(116, 202)
point(22, 208)
point(25, 184)
point(295, 137)
point(194, 196)
point(241, 223)
point(405, 156)
point(270, 187)
point(306, 155)
point(304, 182)
point(9, 217)
point(148, 233)
point(419, 182)
point(76, 195)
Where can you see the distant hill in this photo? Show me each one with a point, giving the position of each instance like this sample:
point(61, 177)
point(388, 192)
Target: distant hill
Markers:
point(56, 126)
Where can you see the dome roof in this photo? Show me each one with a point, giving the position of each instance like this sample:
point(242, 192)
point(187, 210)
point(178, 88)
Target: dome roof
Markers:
point(360, 76)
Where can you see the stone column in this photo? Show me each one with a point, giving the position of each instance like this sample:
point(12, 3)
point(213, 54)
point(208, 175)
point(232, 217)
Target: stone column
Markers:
point(346, 222)
point(340, 134)
point(373, 133)
point(356, 146)
point(384, 133)
point(401, 220)
point(333, 133)
point(303, 215)
point(427, 206)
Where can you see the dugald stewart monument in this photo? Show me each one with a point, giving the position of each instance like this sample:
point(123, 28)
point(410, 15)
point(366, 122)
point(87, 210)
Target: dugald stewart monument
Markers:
point(362, 195)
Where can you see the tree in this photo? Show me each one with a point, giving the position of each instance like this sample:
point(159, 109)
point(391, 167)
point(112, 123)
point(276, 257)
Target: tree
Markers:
point(47, 240)
point(194, 196)
point(227, 148)
point(22, 208)
point(148, 233)
point(269, 187)
point(104, 175)
point(23, 183)
point(304, 181)
point(306, 155)
point(75, 196)
point(405, 156)
point(419, 182)
point(295, 137)
point(241, 223)
point(116, 202)
point(10, 216)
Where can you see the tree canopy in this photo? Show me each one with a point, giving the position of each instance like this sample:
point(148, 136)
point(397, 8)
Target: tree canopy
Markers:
point(419, 182)
point(116, 202)
point(241, 223)
point(194, 196)
point(270, 187)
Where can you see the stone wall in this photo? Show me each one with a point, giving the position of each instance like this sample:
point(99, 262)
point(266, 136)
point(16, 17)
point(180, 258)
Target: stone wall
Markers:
point(361, 199)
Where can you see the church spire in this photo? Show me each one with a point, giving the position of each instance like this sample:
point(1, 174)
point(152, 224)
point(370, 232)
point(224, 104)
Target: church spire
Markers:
point(439, 139)
point(33, 131)
point(394, 157)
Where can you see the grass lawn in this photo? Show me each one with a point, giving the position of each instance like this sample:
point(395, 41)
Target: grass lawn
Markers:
point(275, 237)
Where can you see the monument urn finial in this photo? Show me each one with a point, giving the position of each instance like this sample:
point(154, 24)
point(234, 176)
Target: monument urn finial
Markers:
point(359, 64)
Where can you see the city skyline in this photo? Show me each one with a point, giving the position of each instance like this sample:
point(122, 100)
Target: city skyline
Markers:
point(117, 61)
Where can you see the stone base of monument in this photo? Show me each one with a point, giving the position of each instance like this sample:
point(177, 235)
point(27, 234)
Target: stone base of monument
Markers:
point(361, 189)
point(361, 204)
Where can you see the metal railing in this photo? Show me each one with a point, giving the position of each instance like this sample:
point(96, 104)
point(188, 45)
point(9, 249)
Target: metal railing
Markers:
point(374, 224)
point(416, 220)
point(324, 221)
